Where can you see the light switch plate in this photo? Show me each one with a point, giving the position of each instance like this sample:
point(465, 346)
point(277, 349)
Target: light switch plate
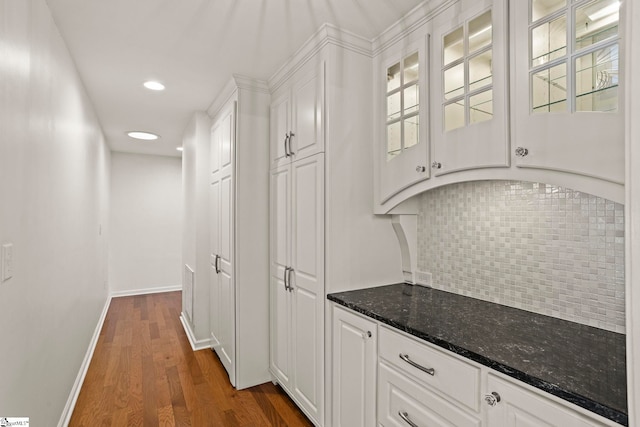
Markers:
point(7, 261)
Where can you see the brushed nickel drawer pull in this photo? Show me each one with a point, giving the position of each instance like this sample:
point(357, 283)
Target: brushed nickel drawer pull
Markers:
point(429, 371)
point(406, 419)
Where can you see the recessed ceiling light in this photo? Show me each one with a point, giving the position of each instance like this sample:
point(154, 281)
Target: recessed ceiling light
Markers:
point(147, 136)
point(179, 148)
point(153, 85)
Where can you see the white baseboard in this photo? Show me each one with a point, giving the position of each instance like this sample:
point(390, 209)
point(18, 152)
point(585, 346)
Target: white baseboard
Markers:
point(144, 291)
point(195, 344)
point(77, 385)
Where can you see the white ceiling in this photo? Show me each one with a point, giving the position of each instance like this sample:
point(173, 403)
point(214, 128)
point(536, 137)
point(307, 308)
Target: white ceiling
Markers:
point(193, 47)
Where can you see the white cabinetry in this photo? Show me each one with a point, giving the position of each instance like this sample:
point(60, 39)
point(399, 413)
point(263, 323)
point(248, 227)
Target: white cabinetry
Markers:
point(522, 407)
point(470, 87)
point(239, 309)
point(321, 187)
point(354, 369)
point(569, 88)
point(222, 220)
point(403, 151)
point(419, 384)
point(297, 279)
point(524, 90)
point(296, 118)
point(403, 401)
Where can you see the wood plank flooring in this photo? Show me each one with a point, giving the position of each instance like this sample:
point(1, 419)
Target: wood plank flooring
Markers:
point(144, 373)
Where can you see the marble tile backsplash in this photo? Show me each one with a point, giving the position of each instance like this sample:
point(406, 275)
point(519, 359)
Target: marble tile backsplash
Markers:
point(532, 246)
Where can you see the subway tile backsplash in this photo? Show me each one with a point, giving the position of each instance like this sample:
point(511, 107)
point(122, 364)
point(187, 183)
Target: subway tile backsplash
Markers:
point(532, 246)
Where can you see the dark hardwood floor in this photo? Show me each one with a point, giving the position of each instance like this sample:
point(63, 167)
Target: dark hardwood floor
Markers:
point(144, 373)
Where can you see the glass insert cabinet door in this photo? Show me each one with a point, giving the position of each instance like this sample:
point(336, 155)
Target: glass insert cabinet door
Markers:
point(574, 55)
point(403, 105)
point(469, 94)
point(467, 73)
point(568, 86)
point(402, 159)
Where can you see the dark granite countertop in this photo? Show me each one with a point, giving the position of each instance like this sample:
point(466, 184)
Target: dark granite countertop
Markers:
point(581, 364)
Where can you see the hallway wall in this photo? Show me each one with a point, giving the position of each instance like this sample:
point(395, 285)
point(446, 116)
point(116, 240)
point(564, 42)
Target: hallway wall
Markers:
point(54, 178)
point(145, 251)
point(195, 228)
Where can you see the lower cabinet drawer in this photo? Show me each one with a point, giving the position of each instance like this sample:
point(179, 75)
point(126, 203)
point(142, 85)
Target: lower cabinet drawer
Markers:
point(432, 367)
point(404, 403)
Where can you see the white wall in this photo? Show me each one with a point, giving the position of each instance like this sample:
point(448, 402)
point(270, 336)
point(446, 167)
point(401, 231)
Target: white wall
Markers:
point(54, 168)
point(145, 223)
point(195, 243)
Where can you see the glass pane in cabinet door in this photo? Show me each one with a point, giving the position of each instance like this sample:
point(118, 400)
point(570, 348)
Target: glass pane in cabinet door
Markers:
point(480, 70)
point(393, 77)
point(411, 99)
point(454, 81)
point(480, 31)
point(393, 106)
point(597, 80)
point(454, 115)
point(542, 8)
point(549, 89)
point(394, 138)
point(481, 107)
point(453, 46)
point(411, 131)
point(596, 21)
point(549, 41)
point(411, 64)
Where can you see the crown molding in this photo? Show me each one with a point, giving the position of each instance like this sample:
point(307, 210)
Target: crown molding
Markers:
point(229, 91)
point(406, 25)
point(327, 34)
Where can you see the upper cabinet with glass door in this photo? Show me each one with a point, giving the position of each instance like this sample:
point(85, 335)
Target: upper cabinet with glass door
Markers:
point(568, 95)
point(403, 154)
point(469, 97)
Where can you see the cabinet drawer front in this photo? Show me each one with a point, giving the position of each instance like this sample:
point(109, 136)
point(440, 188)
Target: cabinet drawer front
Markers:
point(442, 372)
point(398, 396)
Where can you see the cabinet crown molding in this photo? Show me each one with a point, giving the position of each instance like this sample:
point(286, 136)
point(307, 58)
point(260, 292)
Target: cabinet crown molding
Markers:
point(326, 34)
point(236, 82)
point(406, 25)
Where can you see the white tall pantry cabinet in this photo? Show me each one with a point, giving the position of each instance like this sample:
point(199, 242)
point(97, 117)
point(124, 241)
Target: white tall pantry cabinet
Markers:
point(323, 235)
point(239, 296)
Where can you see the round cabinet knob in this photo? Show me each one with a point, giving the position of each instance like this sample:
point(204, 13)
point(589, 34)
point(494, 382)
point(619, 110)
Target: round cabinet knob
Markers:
point(436, 165)
point(420, 168)
point(369, 334)
point(521, 151)
point(492, 399)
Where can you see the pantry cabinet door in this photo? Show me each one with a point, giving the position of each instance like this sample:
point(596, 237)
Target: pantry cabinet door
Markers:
point(307, 282)
point(280, 128)
point(307, 101)
point(280, 297)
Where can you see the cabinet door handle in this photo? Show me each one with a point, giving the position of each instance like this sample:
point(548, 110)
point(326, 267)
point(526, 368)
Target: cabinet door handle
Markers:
point(436, 165)
point(406, 419)
point(420, 169)
point(429, 371)
point(286, 150)
point(217, 264)
point(284, 276)
point(521, 151)
point(291, 134)
point(289, 279)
